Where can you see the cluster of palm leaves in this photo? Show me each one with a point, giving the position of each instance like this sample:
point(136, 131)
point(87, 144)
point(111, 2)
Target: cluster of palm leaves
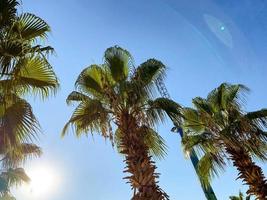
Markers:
point(24, 70)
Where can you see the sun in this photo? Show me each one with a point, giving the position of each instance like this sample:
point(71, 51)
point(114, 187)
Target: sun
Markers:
point(44, 181)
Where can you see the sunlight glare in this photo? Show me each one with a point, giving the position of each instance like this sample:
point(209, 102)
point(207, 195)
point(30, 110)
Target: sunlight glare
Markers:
point(44, 180)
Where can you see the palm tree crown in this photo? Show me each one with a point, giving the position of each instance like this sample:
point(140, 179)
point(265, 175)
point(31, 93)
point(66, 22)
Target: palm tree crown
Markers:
point(115, 94)
point(220, 128)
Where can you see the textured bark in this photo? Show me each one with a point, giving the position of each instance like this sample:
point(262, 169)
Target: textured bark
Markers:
point(249, 172)
point(139, 165)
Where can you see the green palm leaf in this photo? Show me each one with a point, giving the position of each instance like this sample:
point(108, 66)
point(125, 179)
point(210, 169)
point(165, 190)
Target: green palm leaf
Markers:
point(17, 120)
point(160, 107)
point(118, 61)
point(89, 116)
point(92, 80)
point(76, 97)
point(35, 75)
point(29, 27)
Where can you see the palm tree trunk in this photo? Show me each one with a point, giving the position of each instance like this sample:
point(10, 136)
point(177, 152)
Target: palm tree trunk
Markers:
point(251, 174)
point(139, 163)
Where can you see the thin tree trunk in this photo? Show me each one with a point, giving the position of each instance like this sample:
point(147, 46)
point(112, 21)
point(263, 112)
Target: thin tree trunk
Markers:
point(139, 163)
point(249, 172)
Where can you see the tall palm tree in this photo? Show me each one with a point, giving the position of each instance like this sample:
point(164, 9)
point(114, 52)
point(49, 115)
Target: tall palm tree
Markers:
point(219, 128)
point(114, 94)
point(24, 70)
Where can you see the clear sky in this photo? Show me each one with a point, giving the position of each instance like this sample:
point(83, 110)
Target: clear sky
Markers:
point(202, 42)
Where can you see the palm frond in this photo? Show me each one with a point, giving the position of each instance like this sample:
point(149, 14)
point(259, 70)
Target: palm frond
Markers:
point(29, 27)
point(118, 60)
point(16, 155)
point(35, 75)
point(203, 105)
point(3, 185)
point(77, 96)
point(42, 50)
point(89, 116)
point(10, 50)
point(228, 94)
point(15, 176)
point(17, 120)
point(259, 116)
point(209, 166)
point(193, 120)
point(160, 107)
point(93, 80)
point(148, 74)
point(155, 142)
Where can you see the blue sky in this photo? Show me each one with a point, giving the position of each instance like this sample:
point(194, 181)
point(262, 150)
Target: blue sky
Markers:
point(202, 42)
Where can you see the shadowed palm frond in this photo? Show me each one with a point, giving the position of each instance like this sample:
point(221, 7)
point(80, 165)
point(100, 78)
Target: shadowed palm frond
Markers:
point(77, 97)
point(155, 142)
point(118, 61)
point(193, 120)
point(14, 156)
point(228, 95)
point(160, 107)
point(89, 116)
point(8, 12)
point(17, 121)
point(10, 178)
point(259, 116)
point(16, 176)
point(147, 75)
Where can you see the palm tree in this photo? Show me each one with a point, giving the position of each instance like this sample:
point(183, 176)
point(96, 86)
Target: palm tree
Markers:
point(115, 94)
point(239, 197)
point(24, 70)
point(219, 128)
